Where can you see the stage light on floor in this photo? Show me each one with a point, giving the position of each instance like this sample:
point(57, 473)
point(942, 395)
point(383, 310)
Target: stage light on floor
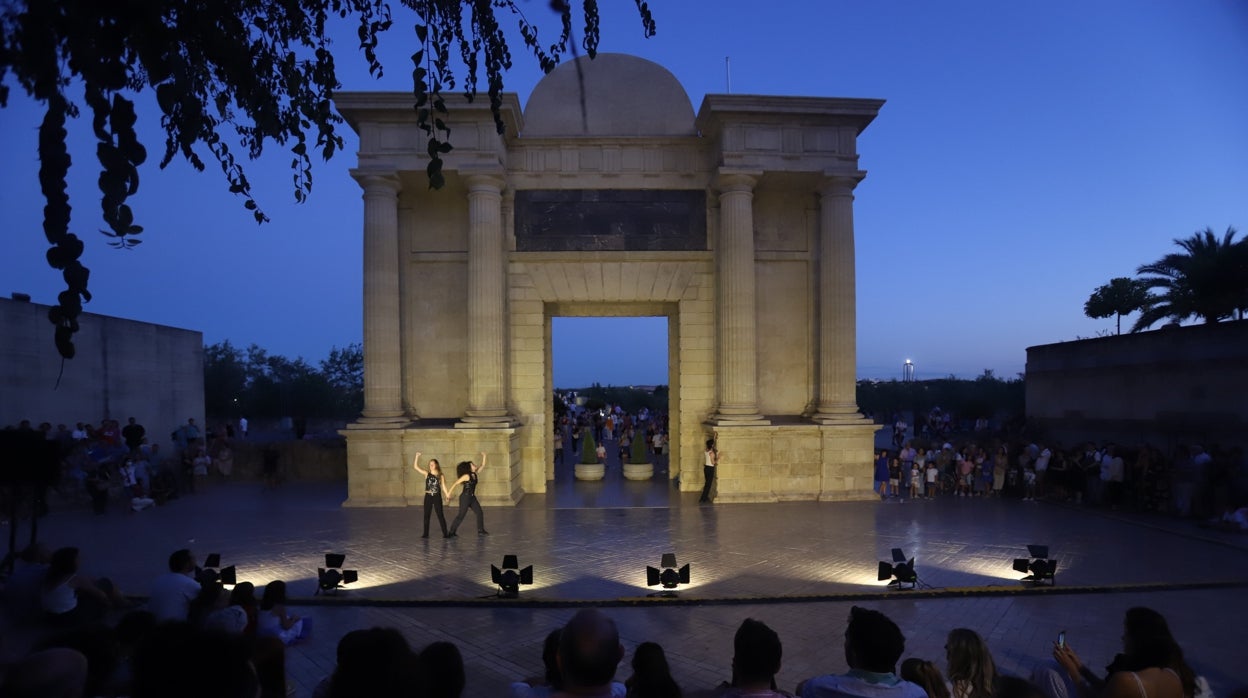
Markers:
point(669, 577)
point(331, 577)
point(510, 577)
point(1039, 569)
point(900, 571)
point(213, 572)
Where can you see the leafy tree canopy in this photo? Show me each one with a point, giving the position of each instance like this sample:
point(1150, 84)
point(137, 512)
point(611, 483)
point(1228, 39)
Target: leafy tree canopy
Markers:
point(252, 73)
point(1121, 296)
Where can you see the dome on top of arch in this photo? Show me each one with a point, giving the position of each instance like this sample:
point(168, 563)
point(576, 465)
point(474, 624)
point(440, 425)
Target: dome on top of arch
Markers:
point(624, 96)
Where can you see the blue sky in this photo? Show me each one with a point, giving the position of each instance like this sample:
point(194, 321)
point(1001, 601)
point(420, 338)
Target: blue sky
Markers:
point(1028, 152)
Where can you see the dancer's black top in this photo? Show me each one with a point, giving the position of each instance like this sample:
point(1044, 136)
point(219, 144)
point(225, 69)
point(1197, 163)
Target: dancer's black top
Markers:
point(433, 484)
point(470, 487)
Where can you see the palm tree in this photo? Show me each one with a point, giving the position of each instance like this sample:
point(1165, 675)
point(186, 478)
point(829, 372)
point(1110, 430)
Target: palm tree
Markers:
point(1208, 280)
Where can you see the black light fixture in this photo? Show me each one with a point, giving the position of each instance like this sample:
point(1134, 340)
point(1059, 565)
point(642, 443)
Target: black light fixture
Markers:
point(900, 571)
point(669, 577)
point(212, 572)
point(1039, 569)
point(510, 577)
point(331, 577)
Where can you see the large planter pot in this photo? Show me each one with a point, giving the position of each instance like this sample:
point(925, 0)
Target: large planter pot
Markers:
point(589, 471)
point(638, 471)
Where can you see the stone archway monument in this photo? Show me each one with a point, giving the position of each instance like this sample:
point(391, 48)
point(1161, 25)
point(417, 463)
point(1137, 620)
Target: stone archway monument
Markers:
point(735, 223)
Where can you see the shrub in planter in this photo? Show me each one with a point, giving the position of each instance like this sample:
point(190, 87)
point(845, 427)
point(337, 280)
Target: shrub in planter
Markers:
point(637, 454)
point(589, 448)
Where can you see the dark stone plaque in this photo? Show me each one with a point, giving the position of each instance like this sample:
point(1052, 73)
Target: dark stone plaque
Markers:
point(588, 220)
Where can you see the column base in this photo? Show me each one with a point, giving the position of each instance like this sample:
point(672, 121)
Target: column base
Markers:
point(738, 420)
point(500, 422)
point(383, 421)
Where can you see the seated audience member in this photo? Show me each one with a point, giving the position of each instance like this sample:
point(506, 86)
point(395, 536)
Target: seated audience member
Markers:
point(51, 673)
point(130, 632)
point(22, 589)
point(756, 652)
point(178, 659)
point(652, 677)
point(274, 621)
point(443, 669)
point(373, 662)
point(211, 609)
point(873, 645)
point(925, 674)
point(68, 598)
point(244, 597)
point(589, 652)
point(173, 591)
point(1014, 687)
point(98, 643)
point(551, 680)
point(971, 671)
point(1151, 663)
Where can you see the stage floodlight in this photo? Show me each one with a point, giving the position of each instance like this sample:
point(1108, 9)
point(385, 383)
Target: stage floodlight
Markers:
point(212, 572)
point(899, 573)
point(510, 577)
point(331, 577)
point(1039, 568)
point(669, 577)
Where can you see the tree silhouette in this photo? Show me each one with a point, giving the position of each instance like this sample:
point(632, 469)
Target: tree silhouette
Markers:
point(1207, 280)
point(1121, 296)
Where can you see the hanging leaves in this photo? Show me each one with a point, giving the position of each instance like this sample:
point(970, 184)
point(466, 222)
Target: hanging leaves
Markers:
point(258, 72)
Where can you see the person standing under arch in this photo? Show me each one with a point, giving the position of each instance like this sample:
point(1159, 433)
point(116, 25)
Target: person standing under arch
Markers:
point(435, 485)
point(467, 472)
point(708, 471)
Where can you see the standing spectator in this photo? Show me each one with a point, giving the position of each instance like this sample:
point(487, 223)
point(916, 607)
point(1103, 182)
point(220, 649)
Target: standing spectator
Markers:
point(881, 474)
point(192, 431)
point(708, 471)
point(873, 646)
point(133, 434)
point(173, 591)
point(242, 426)
point(933, 484)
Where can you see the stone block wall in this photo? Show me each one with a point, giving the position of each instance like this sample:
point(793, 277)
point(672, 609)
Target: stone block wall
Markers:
point(123, 368)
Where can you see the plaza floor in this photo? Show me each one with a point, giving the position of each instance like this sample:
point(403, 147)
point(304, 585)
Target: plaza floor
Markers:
point(797, 566)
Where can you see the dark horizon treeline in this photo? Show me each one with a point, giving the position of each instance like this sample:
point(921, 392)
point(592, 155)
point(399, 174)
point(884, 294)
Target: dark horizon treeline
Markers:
point(260, 385)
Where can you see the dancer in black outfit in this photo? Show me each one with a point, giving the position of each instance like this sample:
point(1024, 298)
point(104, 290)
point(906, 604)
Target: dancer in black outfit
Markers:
point(435, 485)
point(467, 472)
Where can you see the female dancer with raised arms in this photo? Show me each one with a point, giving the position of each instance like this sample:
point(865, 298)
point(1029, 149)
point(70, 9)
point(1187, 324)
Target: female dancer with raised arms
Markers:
point(467, 472)
point(435, 485)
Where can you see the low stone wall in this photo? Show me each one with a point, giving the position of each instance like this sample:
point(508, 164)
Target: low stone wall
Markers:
point(315, 460)
point(1169, 386)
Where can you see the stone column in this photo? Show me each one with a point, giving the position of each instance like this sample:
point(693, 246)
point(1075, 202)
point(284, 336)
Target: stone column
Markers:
point(486, 303)
point(737, 346)
point(837, 303)
point(383, 365)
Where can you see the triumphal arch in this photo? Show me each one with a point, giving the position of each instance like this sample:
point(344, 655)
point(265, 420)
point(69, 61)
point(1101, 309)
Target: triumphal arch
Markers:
point(607, 195)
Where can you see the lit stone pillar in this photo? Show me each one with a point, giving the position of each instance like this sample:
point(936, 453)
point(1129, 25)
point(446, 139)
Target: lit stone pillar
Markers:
point(383, 366)
point(735, 305)
point(837, 303)
point(486, 303)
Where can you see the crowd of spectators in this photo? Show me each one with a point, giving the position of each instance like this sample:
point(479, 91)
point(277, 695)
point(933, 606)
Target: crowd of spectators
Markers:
point(109, 461)
point(1189, 481)
point(194, 639)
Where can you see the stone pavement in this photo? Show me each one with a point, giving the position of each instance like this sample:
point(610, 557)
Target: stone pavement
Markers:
point(747, 560)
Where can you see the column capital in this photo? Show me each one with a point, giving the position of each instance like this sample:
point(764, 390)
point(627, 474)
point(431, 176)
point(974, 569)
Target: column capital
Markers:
point(490, 182)
point(840, 183)
point(377, 182)
point(730, 180)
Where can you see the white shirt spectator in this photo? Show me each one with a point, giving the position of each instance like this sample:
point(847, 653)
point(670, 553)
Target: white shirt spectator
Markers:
point(1042, 462)
point(171, 596)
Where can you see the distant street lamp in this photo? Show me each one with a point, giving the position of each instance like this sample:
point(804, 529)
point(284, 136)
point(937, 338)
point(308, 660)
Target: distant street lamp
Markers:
point(907, 371)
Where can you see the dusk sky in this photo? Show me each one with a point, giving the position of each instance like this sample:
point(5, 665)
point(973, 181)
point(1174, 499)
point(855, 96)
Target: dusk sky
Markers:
point(1028, 152)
